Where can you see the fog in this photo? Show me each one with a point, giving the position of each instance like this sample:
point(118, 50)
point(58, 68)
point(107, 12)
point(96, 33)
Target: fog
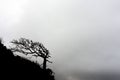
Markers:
point(82, 35)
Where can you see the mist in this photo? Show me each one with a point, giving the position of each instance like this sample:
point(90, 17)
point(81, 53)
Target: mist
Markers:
point(82, 35)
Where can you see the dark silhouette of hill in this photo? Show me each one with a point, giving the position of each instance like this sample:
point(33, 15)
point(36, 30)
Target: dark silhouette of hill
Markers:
point(15, 67)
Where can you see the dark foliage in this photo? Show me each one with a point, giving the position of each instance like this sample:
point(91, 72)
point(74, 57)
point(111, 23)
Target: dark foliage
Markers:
point(15, 67)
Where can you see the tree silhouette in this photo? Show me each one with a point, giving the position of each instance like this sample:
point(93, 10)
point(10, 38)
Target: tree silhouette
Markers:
point(13, 67)
point(27, 46)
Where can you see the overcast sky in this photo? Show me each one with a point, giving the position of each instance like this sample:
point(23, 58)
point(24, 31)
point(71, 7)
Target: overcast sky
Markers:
point(80, 34)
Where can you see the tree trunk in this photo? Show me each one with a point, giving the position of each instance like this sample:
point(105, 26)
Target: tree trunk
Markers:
point(44, 63)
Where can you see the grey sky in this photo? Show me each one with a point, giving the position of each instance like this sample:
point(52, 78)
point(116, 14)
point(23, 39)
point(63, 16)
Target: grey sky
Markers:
point(80, 34)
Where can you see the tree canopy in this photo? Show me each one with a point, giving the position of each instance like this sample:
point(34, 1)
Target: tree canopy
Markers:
point(27, 46)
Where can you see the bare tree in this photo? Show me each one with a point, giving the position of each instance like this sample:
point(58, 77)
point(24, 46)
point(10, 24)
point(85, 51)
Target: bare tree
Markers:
point(27, 46)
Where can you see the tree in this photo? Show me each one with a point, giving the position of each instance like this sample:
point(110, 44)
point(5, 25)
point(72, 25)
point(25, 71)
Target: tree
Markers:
point(27, 46)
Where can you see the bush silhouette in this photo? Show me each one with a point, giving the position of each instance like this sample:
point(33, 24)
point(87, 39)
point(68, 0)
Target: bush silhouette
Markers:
point(16, 67)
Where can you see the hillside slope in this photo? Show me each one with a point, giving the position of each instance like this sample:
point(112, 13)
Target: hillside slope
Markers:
point(16, 67)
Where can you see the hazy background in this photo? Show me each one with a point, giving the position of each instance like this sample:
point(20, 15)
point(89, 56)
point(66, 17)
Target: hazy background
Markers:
point(82, 35)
